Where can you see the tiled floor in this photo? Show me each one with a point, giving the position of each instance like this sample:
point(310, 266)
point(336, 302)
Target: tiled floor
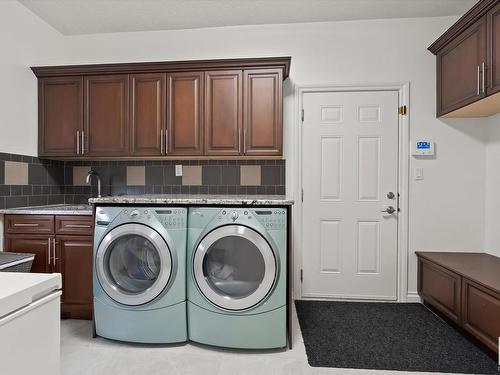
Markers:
point(81, 354)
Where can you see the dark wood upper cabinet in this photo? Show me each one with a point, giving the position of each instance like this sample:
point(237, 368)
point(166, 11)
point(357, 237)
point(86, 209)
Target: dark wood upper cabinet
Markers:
point(147, 114)
point(60, 115)
point(460, 68)
point(74, 262)
point(106, 115)
point(184, 113)
point(262, 114)
point(494, 50)
point(223, 112)
point(228, 108)
point(467, 56)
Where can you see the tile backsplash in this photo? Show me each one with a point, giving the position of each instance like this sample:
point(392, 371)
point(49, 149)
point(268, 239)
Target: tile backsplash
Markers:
point(26, 180)
point(29, 181)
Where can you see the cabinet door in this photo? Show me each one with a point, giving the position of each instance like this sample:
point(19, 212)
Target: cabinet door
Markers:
point(41, 246)
point(74, 262)
point(185, 113)
point(106, 115)
point(494, 50)
point(481, 312)
point(262, 115)
point(459, 69)
point(60, 107)
point(223, 112)
point(441, 288)
point(147, 114)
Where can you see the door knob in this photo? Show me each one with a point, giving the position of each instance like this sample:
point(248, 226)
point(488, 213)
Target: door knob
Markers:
point(390, 210)
point(390, 195)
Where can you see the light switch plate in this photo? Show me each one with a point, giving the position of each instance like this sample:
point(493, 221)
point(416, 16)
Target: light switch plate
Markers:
point(419, 174)
point(178, 170)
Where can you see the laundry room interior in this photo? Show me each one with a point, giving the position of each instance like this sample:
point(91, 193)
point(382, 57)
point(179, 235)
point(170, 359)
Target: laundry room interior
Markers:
point(249, 187)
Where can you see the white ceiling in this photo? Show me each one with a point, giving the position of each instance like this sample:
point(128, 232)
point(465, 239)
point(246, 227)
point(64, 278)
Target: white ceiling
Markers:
point(73, 17)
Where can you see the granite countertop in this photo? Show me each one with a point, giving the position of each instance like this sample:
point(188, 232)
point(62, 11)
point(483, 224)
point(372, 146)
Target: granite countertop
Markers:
point(56, 209)
point(191, 199)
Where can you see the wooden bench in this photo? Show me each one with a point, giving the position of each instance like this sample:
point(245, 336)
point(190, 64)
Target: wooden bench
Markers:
point(466, 288)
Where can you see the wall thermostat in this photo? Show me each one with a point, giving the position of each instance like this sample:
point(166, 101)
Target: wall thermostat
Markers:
point(423, 147)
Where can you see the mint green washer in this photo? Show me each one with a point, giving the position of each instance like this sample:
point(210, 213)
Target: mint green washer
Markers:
point(236, 277)
point(139, 273)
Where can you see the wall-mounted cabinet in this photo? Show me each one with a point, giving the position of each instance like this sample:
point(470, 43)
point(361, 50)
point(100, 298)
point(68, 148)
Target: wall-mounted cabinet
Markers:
point(467, 56)
point(202, 109)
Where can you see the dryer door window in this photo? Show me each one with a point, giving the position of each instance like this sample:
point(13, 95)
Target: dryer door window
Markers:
point(133, 264)
point(235, 267)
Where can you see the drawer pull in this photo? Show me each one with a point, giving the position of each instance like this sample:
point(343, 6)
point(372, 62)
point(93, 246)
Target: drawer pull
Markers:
point(26, 225)
point(78, 226)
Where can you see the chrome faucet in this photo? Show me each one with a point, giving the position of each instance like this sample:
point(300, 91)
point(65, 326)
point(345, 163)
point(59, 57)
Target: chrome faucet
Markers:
point(94, 173)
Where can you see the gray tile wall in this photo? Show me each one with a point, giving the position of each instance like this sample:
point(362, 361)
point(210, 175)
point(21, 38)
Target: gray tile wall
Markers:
point(29, 181)
point(246, 177)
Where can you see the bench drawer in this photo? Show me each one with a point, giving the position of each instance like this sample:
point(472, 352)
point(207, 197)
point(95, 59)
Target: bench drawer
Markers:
point(29, 224)
point(75, 225)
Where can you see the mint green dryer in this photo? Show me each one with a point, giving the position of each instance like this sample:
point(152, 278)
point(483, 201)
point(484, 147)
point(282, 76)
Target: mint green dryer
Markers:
point(236, 277)
point(139, 274)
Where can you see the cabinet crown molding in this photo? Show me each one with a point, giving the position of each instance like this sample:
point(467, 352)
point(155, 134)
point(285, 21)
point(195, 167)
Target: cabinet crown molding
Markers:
point(282, 63)
point(474, 14)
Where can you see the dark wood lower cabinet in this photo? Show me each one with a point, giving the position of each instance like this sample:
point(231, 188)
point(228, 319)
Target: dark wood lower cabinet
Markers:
point(39, 245)
point(74, 262)
point(66, 249)
point(466, 288)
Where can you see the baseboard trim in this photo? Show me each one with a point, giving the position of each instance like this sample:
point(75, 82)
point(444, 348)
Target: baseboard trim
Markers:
point(412, 297)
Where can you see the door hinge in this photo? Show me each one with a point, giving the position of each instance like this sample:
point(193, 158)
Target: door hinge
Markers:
point(402, 110)
point(301, 275)
point(399, 209)
point(302, 195)
point(302, 115)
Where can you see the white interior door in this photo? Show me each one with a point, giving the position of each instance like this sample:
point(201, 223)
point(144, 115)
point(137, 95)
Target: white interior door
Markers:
point(349, 170)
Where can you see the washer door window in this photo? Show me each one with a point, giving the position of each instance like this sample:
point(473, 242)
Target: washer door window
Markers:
point(133, 264)
point(234, 267)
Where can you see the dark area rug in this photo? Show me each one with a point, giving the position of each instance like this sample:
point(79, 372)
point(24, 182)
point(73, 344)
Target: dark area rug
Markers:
point(386, 336)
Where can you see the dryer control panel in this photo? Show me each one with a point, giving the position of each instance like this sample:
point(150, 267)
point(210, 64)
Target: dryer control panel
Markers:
point(271, 218)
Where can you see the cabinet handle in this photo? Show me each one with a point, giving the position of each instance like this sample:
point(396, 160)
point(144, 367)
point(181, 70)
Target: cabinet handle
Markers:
point(78, 142)
point(77, 226)
point(48, 248)
point(478, 79)
point(83, 142)
point(483, 68)
point(244, 140)
point(239, 140)
point(161, 141)
point(54, 251)
point(166, 141)
point(26, 225)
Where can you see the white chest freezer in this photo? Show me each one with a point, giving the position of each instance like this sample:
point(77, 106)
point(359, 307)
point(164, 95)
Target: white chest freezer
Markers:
point(30, 323)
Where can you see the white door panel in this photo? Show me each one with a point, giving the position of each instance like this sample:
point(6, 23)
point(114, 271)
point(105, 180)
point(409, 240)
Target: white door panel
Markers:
point(350, 163)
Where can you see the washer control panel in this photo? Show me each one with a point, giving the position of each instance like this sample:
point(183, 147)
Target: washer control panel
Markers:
point(271, 218)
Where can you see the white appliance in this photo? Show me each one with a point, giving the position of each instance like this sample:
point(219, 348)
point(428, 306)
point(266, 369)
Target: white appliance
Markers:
point(30, 323)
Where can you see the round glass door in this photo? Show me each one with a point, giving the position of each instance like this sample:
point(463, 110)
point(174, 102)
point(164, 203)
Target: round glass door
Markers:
point(234, 267)
point(133, 264)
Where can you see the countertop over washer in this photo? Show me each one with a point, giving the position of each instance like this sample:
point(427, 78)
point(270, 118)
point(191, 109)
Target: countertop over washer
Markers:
point(55, 209)
point(191, 199)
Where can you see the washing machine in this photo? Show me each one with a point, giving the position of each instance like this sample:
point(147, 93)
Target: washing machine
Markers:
point(139, 274)
point(236, 277)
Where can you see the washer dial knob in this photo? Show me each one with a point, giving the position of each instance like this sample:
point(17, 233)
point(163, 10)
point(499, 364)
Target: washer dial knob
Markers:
point(234, 215)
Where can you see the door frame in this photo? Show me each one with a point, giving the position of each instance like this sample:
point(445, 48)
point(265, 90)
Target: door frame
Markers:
point(403, 90)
